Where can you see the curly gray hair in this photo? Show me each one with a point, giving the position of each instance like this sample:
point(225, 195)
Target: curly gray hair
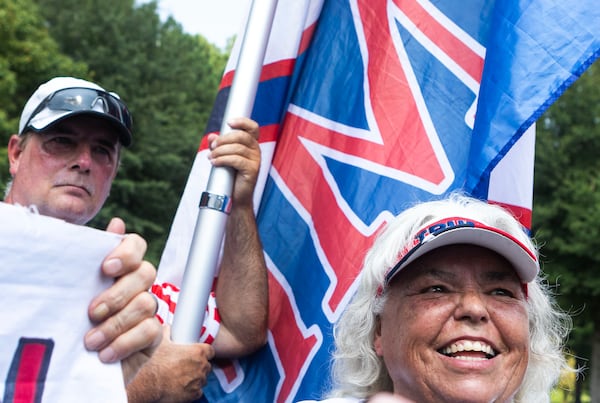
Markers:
point(358, 371)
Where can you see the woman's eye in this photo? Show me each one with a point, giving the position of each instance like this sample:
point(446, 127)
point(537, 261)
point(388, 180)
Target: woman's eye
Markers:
point(502, 292)
point(434, 289)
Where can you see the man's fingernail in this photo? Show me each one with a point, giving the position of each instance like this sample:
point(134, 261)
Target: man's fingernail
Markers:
point(112, 266)
point(100, 312)
point(94, 339)
point(108, 355)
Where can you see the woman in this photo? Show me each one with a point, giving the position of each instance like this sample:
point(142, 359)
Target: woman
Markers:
point(450, 307)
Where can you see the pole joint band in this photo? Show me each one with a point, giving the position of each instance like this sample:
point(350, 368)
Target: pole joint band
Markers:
point(216, 202)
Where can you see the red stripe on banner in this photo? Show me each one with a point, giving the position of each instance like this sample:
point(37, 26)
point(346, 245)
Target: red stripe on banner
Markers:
point(31, 360)
point(457, 50)
point(26, 377)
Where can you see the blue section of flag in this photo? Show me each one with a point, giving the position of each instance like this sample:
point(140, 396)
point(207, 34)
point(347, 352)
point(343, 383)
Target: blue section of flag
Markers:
point(333, 67)
point(533, 50)
point(538, 49)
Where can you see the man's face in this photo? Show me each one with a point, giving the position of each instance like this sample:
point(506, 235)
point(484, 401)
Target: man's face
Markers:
point(67, 170)
point(455, 328)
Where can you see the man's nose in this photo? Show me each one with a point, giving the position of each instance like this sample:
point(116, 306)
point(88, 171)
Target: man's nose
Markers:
point(82, 158)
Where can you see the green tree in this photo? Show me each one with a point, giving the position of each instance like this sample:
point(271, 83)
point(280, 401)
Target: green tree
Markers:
point(566, 210)
point(28, 56)
point(169, 80)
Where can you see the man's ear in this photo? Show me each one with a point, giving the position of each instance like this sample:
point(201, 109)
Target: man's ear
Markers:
point(377, 344)
point(14, 151)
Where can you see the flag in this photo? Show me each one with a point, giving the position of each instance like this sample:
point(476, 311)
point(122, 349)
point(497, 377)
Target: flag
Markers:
point(366, 107)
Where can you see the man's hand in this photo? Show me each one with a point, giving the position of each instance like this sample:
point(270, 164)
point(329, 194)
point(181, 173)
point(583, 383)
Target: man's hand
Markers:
point(239, 150)
point(125, 327)
point(176, 373)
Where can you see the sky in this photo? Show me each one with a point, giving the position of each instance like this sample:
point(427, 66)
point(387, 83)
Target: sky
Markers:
point(216, 20)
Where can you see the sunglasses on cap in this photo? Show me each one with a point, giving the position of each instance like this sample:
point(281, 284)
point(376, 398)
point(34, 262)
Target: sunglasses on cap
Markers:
point(84, 99)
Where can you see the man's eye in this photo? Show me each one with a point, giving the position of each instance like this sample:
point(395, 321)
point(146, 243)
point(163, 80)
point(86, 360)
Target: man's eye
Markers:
point(102, 150)
point(58, 144)
point(62, 140)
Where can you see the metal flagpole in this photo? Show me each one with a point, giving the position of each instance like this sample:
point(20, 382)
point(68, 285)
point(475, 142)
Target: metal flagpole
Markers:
point(215, 202)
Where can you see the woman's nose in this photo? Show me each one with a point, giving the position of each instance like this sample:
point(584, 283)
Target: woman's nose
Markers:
point(471, 306)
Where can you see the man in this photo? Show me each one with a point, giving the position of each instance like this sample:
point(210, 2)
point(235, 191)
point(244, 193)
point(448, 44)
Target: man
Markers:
point(62, 163)
point(450, 307)
point(64, 160)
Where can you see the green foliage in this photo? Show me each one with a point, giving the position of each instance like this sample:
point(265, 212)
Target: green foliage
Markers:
point(28, 56)
point(566, 208)
point(567, 191)
point(169, 80)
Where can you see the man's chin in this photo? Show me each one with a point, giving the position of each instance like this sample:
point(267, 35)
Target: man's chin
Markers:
point(74, 213)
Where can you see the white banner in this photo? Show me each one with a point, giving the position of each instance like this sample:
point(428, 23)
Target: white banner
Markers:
point(49, 273)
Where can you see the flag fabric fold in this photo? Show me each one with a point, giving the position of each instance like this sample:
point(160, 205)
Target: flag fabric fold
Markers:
point(365, 108)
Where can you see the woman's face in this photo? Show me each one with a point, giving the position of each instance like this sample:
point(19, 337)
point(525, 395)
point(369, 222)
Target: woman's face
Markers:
point(455, 328)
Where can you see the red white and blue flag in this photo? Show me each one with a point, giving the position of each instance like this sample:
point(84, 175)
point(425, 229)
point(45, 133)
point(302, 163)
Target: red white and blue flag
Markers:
point(366, 107)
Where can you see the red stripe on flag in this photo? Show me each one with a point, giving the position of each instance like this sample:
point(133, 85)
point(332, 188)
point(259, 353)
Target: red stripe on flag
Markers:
point(294, 349)
point(401, 122)
point(227, 80)
point(457, 50)
point(268, 133)
point(306, 37)
point(523, 214)
point(295, 164)
point(228, 370)
point(280, 68)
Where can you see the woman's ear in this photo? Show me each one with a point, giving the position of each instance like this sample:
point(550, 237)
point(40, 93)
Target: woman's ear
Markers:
point(377, 337)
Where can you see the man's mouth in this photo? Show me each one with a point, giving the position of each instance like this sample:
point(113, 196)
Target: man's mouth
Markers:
point(82, 187)
point(469, 350)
